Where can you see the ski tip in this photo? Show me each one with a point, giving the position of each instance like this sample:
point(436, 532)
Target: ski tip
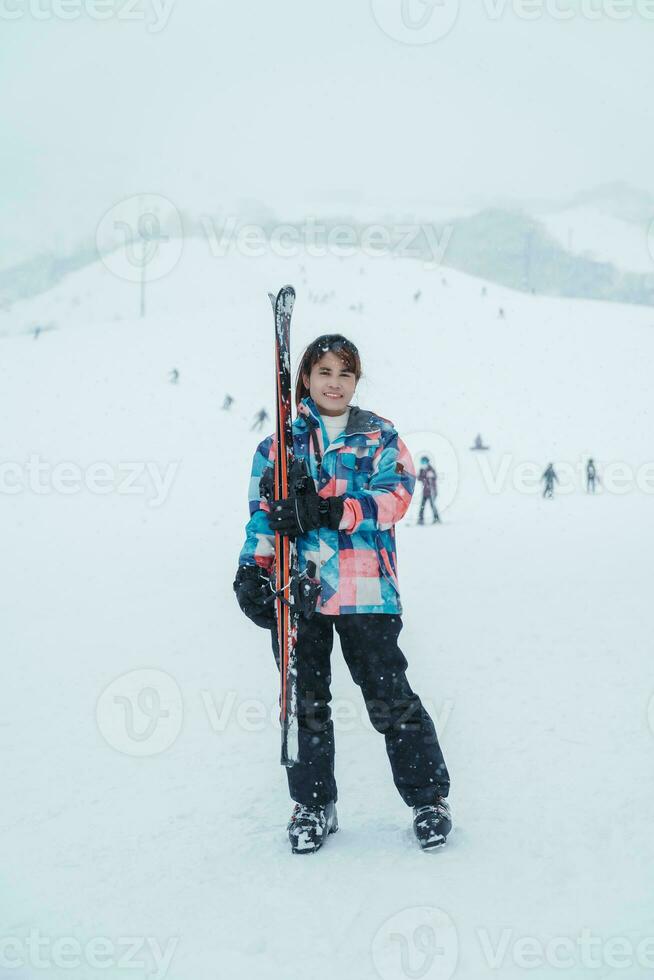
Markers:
point(284, 301)
point(285, 291)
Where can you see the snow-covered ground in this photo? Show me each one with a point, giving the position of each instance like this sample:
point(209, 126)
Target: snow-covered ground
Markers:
point(151, 805)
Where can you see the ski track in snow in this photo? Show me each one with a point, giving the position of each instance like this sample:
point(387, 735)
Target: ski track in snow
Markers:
point(527, 627)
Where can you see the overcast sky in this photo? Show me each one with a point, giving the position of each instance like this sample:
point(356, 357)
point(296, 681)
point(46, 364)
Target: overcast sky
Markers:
point(209, 102)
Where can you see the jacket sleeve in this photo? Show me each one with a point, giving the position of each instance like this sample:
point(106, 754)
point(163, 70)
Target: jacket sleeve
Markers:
point(259, 547)
point(387, 498)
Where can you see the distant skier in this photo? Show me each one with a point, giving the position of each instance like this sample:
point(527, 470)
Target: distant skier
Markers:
point(484, 291)
point(549, 476)
point(40, 328)
point(259, 419)
point(174, 376)
point(417, 295)
point(227, 404)
point(478, 444)
point(429, 480)
point(591, 476)
point(501, 314)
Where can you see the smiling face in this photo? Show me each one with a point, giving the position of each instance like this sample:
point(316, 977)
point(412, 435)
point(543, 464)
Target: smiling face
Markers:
point(330, 384)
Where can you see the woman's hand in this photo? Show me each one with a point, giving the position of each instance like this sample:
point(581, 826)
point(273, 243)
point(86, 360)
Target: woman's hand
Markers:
point(255, 596)
point(304, 512)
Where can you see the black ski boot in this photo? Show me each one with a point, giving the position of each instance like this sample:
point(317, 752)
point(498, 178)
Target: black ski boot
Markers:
point(432, 823)
point(310, 825)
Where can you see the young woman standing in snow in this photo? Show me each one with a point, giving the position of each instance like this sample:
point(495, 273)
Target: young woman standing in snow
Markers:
point(363, 481)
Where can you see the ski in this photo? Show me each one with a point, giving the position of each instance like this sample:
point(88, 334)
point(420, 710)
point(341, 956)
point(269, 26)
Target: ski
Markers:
point(296, 593)
point(286, 561)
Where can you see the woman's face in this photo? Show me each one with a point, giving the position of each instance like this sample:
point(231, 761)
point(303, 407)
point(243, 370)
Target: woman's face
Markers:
point(330, 384)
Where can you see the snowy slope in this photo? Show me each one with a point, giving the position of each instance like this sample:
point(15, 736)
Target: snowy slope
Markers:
point(527, 629)
point(586, 230)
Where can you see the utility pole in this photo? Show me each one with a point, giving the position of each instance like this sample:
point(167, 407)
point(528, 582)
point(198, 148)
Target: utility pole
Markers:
point(527, 266)
point(145, 245)
point(149, 231)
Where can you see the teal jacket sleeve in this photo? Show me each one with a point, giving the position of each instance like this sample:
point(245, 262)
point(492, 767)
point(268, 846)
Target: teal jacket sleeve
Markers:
point(259, 546)
point(389, 493)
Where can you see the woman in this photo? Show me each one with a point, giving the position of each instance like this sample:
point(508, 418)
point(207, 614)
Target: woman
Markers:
point(363, 481)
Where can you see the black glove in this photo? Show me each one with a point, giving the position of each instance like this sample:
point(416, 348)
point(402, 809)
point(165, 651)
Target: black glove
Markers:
point(304, 512)
point(254, 595)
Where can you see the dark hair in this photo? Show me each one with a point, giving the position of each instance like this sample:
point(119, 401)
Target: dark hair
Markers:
point(337, 344)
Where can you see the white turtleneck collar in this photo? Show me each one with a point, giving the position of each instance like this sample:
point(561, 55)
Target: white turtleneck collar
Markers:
point(334, 424)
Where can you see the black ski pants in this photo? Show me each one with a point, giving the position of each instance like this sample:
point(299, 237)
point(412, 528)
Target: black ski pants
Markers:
point(377, 666)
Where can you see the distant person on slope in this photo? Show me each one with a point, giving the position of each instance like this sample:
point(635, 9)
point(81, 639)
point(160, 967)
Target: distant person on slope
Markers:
point(362, 482)
point(549, 476)
point(591, 476)
point(429, 480)
point(259, 419)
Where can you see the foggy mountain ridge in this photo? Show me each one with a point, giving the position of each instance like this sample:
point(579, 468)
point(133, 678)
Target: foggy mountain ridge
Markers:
point(514, 249)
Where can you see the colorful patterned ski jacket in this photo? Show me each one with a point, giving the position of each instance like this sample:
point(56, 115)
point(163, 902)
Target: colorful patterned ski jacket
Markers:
point(371, 468)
